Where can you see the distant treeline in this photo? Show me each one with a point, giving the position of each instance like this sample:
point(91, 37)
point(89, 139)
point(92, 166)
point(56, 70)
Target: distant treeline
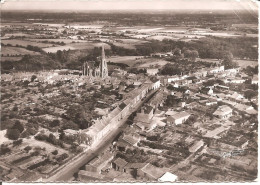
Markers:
point(209, 47)
point(215, 20)
point(30, 63)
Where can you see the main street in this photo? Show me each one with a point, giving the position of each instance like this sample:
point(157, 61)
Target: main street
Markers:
point(72, 167)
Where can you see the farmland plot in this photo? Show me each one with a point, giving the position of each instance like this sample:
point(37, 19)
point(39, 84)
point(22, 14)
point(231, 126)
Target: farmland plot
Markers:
point(16, 51)
point(75, 46)
point(129, 60)
point(25, 43)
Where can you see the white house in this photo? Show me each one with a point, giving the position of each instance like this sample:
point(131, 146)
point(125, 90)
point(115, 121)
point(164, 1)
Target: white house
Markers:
point(152, 71)
point(168, 177)
point(178, 118)
point(223, 112)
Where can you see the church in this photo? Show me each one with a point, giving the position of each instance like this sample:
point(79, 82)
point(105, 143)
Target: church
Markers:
point(101, 71)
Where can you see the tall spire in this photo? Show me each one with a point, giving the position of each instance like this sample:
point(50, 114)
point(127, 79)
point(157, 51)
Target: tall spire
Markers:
point(103, 52)
point(103, 67)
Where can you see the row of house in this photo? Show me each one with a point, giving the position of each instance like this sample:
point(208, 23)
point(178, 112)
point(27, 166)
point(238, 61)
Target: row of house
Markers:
point(199, 75)
point(101, 127)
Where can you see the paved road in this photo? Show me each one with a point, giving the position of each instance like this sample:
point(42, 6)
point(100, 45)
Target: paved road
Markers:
point(66, 173)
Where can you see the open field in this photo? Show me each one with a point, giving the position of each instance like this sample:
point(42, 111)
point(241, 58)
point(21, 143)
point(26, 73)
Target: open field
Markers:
point(219, 34)
point(132, 41)
point(56, 48)
point(75, 46)
point(129, 60)
point(210, 60)
point(17, 35)
point(123, 45)
point(242, 63)
point(10, 58)
point(138, 61)
point(25, 43)
point(16, 51)
point(66, 41)
point(88, 45)
point(161, 37)
point(245, 63)
point(151, 62)
point(138, 36)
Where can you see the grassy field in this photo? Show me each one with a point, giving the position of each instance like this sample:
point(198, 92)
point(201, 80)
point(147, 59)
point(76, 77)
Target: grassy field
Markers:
point(17, 35)
point(132, 41)
point(88, 45)
point(56, 48)
point(16, 51)
point(210, 60)
point(161, 37)
point(151, 63)
point(245, 63)
point(10, 58)
point(138, 61)
point(76, 46)
point(129, 43)
point(25, 43)
point(124, 45)
point(66, 41)
point(129, 60)
point(241, 63)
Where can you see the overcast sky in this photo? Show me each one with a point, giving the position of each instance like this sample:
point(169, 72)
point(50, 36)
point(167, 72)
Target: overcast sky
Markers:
point(129, 4)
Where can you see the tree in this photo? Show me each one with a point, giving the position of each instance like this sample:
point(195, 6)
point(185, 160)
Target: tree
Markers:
point(64, 156)
point(17, 142)
point(54, 123)
point(249, 94)
point(13, 134)
point(55, 152)
point(17, 125)
point(172, 101)
point(4, 149)
point(177, 52)
point(228, 60)
point(27, 148)
point(52, 139)
point(33, 78)
point(193, 55)
point(187, 53)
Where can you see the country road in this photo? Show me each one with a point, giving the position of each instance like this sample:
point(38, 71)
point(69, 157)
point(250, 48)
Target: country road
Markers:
point(66, 173)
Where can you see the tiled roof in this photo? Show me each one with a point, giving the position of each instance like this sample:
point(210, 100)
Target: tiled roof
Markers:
point(129, 139)
point(180, 115)
point(153, 171)
point(120, 162)
point(196, 146)
point(223, 110)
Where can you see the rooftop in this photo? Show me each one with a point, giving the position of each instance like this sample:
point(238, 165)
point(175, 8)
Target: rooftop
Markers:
point(168, 177)
point(153, 171)
point(130, 139)
point(222, 110)
point(120, 162)
point(180, 115)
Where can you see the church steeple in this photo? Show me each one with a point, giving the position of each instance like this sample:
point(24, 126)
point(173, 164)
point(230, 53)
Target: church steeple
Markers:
point(103, 67)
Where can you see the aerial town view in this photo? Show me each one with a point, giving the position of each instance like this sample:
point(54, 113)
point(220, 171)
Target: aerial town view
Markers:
point(129, 91)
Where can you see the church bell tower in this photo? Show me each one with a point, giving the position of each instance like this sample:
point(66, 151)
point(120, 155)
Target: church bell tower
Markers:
point(103, 67)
